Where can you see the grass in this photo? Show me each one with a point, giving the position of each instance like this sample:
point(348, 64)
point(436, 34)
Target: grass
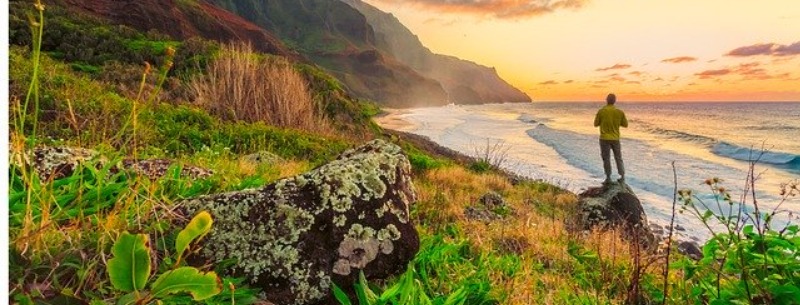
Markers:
point(521, 259)
point(240, 85)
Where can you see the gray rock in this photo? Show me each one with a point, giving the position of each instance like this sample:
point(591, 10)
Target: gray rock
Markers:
point(297, 236)
point(52, 162)
point(157, 168)
point(614, 205)
point(488, 208)
point(56, 162)
point(690, 249)
point(492, 200)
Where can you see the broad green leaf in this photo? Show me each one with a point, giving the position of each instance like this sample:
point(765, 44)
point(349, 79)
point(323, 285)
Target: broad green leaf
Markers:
point(130, 267)
point(127, 299)
point(187, 279)
point(199, 226)
point(340, 295)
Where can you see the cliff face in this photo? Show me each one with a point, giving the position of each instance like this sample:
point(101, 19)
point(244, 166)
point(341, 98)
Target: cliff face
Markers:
point(465, 82)
point(340, 39)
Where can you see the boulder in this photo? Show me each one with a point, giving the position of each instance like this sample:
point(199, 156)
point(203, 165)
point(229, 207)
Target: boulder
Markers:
point(297, 236)
point(58, 162)
point(690, 249)
point(614, 205)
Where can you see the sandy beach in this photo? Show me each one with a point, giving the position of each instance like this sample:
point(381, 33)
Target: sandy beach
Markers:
point(393, 119)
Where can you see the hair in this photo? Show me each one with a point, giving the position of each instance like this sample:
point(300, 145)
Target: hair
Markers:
point(611, 99)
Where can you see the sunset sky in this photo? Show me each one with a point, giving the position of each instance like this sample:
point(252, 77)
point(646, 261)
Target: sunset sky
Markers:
point(655, 50)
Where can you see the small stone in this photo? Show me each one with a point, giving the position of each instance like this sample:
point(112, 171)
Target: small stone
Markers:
point(690, 249)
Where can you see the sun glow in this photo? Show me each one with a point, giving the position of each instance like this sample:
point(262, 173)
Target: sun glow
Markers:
point(680, 50)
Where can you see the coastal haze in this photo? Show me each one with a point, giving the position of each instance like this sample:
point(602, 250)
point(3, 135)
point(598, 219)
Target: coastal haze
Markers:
point(579, 50)
point(557, 143)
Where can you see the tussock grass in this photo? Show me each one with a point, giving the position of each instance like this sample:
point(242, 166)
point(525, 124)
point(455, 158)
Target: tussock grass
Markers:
point(524, 258)
point(241, 85)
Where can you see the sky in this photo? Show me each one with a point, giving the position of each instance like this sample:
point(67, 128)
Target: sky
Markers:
point(642, 50)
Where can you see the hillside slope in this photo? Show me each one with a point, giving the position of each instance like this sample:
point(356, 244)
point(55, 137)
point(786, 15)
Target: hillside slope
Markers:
point(465, 82)
point(182, 20)
point(339, 38)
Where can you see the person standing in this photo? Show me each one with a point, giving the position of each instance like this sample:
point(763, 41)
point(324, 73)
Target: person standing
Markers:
point(609, 119)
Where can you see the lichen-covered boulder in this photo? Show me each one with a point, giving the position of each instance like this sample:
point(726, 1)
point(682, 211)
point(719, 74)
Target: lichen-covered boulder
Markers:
point(59, 162)
point(297, 236)
point(614, 205)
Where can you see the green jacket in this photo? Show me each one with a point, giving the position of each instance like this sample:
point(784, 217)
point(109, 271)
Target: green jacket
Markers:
point(609, 119)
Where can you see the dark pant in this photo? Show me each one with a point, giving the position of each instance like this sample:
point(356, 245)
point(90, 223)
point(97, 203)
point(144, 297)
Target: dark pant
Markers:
point(605, 147)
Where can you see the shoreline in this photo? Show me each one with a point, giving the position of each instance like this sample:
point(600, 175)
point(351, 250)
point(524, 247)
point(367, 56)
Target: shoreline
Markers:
point(391, 121)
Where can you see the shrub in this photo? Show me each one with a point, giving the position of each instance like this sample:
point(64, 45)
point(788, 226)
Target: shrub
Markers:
point(241, 86)
point(751, 260)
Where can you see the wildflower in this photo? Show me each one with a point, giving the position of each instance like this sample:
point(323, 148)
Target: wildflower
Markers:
point(39, 6)
point(147, 68)
point(170, 51)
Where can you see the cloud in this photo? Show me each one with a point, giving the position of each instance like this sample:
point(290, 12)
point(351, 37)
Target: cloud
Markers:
point(614, 67)
point(769, 49)
point(569, 81)
point(712, 73)
point(550, 82)
point(636, 73)
point(748, 71)
point(634, 82)
point(500, 9)
point(792, 49)
point(616, 78)
point(679, 59)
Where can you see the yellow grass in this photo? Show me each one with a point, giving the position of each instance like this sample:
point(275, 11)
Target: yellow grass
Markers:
point(547, 268)
point(241, 85)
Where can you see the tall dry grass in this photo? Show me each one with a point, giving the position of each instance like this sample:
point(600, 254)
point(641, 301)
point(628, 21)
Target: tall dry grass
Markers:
point(241, 85)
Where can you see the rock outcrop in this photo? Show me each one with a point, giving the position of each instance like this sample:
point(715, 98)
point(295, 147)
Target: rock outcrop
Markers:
point(297, 236)
point(614, 205)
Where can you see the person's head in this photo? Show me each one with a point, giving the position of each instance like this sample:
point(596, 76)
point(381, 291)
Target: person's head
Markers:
point(611, 99)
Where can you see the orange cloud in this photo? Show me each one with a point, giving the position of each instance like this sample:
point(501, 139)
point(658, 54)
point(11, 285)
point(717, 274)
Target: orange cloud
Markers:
point(679, 59)
point(614, 67)
point(501, 9)
point(712, 73)
point(550, 82)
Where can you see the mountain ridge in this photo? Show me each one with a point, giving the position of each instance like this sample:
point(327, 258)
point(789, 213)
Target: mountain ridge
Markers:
point(466, 82)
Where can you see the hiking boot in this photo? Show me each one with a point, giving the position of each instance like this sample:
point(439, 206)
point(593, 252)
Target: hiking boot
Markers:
point(621, 180)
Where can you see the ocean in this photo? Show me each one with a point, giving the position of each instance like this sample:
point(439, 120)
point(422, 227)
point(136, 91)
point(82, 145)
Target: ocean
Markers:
point(557, 143)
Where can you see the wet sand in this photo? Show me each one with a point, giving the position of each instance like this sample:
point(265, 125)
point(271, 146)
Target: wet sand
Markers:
point(393, 119)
